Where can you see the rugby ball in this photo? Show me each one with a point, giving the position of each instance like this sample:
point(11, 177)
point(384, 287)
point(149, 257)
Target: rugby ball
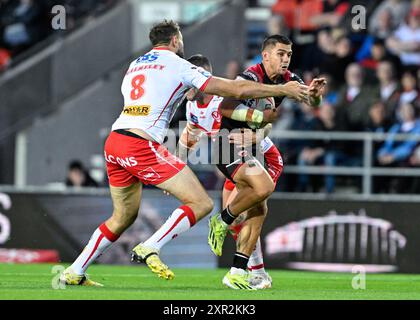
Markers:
point(261, 104)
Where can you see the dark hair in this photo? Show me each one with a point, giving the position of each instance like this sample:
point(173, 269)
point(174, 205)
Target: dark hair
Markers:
point(199, 60)
point(379, 41)
point(162, 32)
point(76, 164)
point(274, 39)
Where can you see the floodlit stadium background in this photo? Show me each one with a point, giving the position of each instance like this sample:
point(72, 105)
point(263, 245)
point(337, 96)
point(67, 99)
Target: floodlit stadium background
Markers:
point(339, 201)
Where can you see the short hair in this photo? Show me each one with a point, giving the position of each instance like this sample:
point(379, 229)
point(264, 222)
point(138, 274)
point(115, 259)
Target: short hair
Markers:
point(274, 39)
point(76, 165)
point(162, 32)
point(199, 60)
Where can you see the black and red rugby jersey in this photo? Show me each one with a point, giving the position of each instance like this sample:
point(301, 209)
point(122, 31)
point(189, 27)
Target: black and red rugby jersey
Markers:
point(257, 73)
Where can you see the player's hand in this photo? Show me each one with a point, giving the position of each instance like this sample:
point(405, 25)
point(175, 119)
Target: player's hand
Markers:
point(316, 87)
point(242, 139)
point(296, 90)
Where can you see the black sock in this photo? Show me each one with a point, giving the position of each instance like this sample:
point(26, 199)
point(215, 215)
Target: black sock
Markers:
point(240, 261)
point(227, 216)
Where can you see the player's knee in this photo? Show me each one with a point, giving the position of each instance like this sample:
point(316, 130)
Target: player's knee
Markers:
point(208, 205)
point(201, 206)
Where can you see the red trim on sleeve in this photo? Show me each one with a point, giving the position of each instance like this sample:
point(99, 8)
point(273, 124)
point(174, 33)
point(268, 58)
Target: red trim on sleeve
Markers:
point(204, 85)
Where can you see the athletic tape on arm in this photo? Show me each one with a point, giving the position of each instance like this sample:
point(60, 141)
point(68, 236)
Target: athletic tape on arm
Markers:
point(243, 113)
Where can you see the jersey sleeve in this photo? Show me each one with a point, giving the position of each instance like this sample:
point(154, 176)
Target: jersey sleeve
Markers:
point(295, 77)
point(193, 76)
point(248, 75)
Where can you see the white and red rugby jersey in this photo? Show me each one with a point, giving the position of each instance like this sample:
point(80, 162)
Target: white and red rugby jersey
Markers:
point(207, 118)
point(152, 88)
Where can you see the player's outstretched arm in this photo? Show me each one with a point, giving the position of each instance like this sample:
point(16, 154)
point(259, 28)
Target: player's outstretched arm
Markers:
point(245, 89)
point(236, 110)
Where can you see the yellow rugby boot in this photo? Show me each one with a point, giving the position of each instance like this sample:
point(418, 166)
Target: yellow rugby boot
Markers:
point(69, 277)
point(150, 257)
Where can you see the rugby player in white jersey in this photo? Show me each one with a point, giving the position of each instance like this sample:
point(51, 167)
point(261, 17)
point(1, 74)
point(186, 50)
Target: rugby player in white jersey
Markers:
point(204, 118)
point(152, 87)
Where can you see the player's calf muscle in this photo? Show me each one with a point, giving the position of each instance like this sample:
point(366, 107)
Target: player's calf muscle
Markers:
point(126, 202)
point(260, 209)
point(202, 207)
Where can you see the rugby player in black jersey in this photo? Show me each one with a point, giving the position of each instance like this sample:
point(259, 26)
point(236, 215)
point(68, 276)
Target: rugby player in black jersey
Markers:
point(242, 166)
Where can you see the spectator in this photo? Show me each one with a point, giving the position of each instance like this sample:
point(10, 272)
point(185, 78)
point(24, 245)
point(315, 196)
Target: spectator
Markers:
point(389, 90)
point(405, 42)
point(333, 12)
point(355, 100)
point(309, 15)
point(387, 17)
point(395, 152)
point(383, 26)
point(316, 55)
point(372, 52)
point(377, 118)
point(77, 176)
point(22, 25)
point(409, 88)
point(337, 63)
point(25, 22)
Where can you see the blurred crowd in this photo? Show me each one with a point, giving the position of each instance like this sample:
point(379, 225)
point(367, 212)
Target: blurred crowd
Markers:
point(24, 23)
point(372, 71)
point(373, 79)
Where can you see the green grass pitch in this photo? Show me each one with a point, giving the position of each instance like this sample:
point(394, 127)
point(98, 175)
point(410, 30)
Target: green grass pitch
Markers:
point(137, 282)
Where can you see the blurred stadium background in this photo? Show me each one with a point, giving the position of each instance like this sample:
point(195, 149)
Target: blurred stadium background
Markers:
point(350, 191)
